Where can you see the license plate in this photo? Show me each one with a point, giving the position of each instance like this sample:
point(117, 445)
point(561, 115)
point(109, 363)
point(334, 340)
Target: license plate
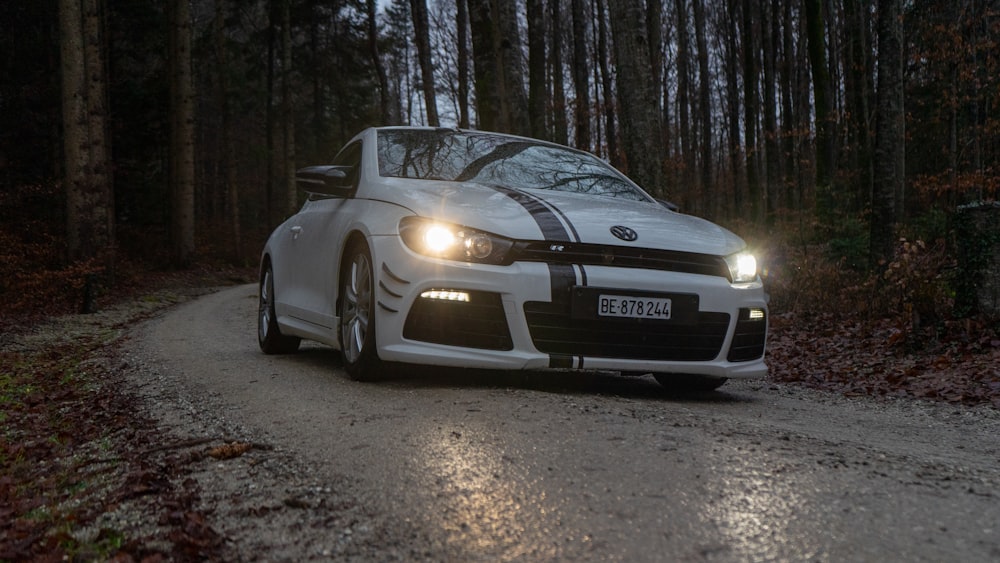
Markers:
point(633, 307)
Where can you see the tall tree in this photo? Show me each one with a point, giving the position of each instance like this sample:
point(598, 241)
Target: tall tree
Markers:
point(640, 115)
point(182, 219)
point(536, 68)
point(581, 77)
point(422, 37)
point(514, 99)
point(751, 107)
point(822, 94)
point(858, 87)
point(890, 132)
point(225, 148)
point(89, 201)
point(614, 155)
point(687, 151)
point(710, 201)
point(385, 106)
point(287, 112)
point(485, 65)
point(462, 23)
point(560, 127)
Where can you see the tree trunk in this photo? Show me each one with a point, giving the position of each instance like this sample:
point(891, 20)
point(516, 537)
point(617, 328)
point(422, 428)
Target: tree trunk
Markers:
point(89, 199)
point(560, 127)
point(485, 64)
point(614, 155)
point(858, 87)
point(815, 31)
point(769, 36)
point(683, 107)
point(536, 68)
point(287, 112)
point(640, 114)
point(890, 132)
point(751, 108)
point(225, 149)
point(733, 102)
point(462, 23)
point(514, 99)
point(385, 104)
point(581, 77)
point(181, 135)
point(421, 32)
point(709, 199)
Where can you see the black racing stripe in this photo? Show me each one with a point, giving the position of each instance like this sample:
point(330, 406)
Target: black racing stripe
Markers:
point(562, 277)
point(552, 228)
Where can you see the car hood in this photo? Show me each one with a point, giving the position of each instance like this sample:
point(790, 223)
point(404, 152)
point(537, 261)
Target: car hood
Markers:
point(558, 216)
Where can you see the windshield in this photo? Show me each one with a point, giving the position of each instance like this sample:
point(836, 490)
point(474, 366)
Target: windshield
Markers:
point(497, 160)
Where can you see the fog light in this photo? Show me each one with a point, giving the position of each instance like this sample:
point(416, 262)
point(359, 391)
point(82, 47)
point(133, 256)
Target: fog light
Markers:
point(756, 314)
point(446, 295)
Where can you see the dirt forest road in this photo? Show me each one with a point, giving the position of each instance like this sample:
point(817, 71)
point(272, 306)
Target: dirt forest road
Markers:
point(451, 465)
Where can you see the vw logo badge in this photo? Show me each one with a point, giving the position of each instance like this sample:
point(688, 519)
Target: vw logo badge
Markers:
point(624, 233)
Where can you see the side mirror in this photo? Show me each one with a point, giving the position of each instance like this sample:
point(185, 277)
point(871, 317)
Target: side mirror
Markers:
point(324, 180)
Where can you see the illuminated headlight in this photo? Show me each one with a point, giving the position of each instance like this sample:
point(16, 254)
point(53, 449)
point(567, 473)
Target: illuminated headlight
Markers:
point(453, 242)
point(742, 267)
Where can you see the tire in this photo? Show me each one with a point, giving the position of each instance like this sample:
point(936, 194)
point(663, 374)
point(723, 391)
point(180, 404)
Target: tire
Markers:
point(357, 315)
point(268, 334)
point(688, 383)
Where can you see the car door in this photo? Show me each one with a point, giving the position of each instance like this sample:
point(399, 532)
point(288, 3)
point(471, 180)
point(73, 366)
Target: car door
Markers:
point(313, 248)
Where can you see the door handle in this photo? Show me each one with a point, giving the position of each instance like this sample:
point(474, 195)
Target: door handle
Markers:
point(296, 231)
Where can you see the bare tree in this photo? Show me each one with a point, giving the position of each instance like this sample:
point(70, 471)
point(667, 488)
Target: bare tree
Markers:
point(421, 32)
point(537, 100)
point(560, 127)
point(640, 115)
point(462, 23)
point(182, 220)
point(890, 132)
point(383, 81)
point(709, 199)
point(581, 82)
point(225, 135)
point(89, 200)
point(614, 154)
point(816, 29)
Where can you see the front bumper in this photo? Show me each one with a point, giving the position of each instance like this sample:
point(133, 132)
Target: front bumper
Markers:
point(519, 317)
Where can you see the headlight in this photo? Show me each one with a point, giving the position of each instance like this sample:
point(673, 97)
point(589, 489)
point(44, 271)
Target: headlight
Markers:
point(453, 242)
point(742, 267)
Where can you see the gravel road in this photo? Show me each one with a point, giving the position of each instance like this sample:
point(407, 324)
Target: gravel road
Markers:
point(455, 465)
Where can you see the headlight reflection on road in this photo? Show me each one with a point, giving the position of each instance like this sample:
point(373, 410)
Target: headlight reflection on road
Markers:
point(484, 503)
point(760, 508)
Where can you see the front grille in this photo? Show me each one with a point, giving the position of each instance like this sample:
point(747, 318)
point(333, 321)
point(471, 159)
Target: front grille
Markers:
point(554, 331)
point(479, 323)
point(621, 256)
point(749, 338)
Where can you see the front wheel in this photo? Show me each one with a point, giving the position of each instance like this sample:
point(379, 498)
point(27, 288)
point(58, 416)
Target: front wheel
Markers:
point(268, 334)
point(357, 315)
point(685, 382)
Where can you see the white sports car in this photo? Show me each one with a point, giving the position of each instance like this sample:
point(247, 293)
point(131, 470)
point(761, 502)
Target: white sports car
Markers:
point(473, 249)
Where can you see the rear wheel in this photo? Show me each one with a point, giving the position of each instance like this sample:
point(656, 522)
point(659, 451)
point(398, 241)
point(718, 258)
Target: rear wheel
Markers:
point(687, 382)
point(357, 315)
point(268, 334)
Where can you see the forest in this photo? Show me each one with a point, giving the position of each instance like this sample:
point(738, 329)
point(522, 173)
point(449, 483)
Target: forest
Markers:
point(851, 142)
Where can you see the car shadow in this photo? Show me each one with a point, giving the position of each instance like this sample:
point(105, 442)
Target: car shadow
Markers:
point(567, 382)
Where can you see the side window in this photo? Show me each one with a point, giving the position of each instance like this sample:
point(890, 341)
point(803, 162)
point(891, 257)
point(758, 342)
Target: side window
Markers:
point(350, 156)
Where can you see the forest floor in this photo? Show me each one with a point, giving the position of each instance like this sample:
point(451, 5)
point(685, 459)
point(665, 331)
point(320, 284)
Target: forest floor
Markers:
point(73, 446)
